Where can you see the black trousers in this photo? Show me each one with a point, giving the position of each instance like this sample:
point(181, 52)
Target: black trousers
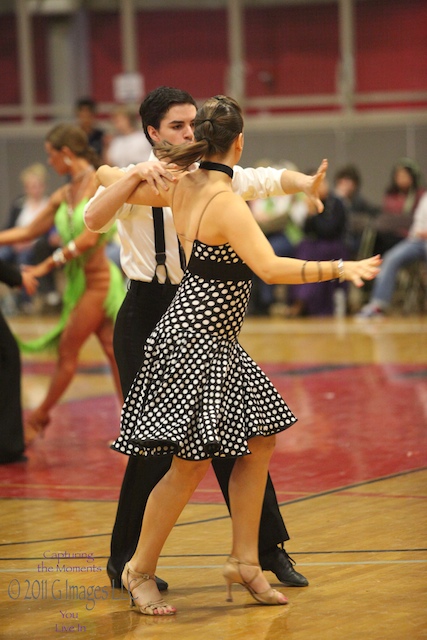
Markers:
point(142, 308)
point(11, 430)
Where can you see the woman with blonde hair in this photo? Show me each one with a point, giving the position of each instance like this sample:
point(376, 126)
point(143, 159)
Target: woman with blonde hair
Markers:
point(94, 287)
point(22, 211)
point(198, 394)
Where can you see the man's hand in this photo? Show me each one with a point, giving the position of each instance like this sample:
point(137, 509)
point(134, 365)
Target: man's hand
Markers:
point(297, 182)
point(314, 184)
point(156, 173)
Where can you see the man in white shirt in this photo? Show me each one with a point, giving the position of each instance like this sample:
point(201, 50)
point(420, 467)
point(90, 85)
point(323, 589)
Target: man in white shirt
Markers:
point(151, 259)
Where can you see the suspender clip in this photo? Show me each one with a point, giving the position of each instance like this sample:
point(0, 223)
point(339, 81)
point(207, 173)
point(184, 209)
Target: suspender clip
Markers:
point(161, 258)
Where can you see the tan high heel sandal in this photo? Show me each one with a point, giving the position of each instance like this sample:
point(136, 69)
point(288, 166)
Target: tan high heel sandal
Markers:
point(232, 575)
point(132, 580)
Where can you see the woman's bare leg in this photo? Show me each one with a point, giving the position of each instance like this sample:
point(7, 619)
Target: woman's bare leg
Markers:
point(246, 489)
point(164, 506)
point(83, 321)
point(105, 336)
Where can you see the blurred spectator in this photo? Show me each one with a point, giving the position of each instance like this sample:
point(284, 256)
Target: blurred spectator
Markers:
point(98, 140)
point(360, 213)
point(399, 203)
point(22, 212)
point(86, 119)
point(409, 250)
point(128, 145)
point(325, 240)
point(281, 219)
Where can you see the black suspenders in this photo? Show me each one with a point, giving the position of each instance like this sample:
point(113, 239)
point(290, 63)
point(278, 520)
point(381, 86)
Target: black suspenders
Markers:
point(160, 245)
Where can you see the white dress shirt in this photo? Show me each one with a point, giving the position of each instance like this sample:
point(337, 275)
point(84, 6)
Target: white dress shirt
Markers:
point(135, 225)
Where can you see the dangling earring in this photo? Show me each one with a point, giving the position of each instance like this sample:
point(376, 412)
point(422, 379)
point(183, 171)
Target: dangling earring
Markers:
point(67, 161)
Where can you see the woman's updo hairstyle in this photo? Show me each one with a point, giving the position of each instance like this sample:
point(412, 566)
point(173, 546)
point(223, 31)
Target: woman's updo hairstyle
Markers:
point(218, 123)
point(73, 137)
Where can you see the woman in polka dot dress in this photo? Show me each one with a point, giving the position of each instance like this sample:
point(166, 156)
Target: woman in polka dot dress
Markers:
point(198, 394)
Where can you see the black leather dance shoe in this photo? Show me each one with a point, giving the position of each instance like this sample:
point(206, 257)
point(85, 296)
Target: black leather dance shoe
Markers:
point(281, 564)
point(116, 580)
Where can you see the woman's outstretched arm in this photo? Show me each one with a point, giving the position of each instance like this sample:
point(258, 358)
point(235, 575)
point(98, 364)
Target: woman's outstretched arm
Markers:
point(242, 232)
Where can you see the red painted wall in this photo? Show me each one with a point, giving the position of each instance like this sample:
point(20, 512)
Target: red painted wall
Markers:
point(392, 45)
point(298, 46)
point(41, 60)
point(9, 93)
point(105, 55)
point(290, 50)
point(173, 49)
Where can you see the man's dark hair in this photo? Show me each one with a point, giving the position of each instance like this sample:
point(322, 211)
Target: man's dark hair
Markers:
point(218, 122)
point(157, 103)
point(351, 173)
point(89, 103)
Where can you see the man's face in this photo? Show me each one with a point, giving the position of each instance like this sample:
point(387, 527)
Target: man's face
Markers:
point(177, 126)
point(345, 187)
point(85, 117)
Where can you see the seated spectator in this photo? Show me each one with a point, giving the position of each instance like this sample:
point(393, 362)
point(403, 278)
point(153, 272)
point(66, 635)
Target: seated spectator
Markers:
point(281, 219)
point(412, 248)
point(23, 210)
point(127, 145)
point(85, 109)
point(325, 240)
point(399, 203)
point(360, 212)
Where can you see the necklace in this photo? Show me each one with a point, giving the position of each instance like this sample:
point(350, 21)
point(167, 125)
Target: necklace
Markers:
point(78, 185)
point(217, 166)
point(79, 176)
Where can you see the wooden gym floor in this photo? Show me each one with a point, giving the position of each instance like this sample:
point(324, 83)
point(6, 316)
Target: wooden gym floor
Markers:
point(351, 479)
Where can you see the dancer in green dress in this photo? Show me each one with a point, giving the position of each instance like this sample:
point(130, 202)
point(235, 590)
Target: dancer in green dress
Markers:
point(94, 287)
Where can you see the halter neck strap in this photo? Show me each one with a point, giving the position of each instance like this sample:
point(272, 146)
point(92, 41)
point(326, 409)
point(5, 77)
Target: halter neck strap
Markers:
point(217, 166)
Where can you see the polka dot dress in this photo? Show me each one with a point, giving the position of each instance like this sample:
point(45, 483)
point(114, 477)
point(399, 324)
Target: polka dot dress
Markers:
point(198, 394)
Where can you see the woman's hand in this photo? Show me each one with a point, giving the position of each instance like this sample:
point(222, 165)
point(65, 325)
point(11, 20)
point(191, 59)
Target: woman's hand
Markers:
point(37, 270)
point(29, 282)
point(360, 270)
point(156, 173)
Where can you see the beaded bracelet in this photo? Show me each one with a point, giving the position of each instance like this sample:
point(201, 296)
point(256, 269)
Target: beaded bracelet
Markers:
point(59, 258)
point(72, 248)
point(341, 276)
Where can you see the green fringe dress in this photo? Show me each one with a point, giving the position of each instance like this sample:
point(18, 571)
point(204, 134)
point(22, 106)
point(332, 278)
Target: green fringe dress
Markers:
point(69, 227)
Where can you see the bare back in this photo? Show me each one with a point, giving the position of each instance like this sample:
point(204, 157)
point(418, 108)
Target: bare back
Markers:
point(201, 210)
point(197, 203)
